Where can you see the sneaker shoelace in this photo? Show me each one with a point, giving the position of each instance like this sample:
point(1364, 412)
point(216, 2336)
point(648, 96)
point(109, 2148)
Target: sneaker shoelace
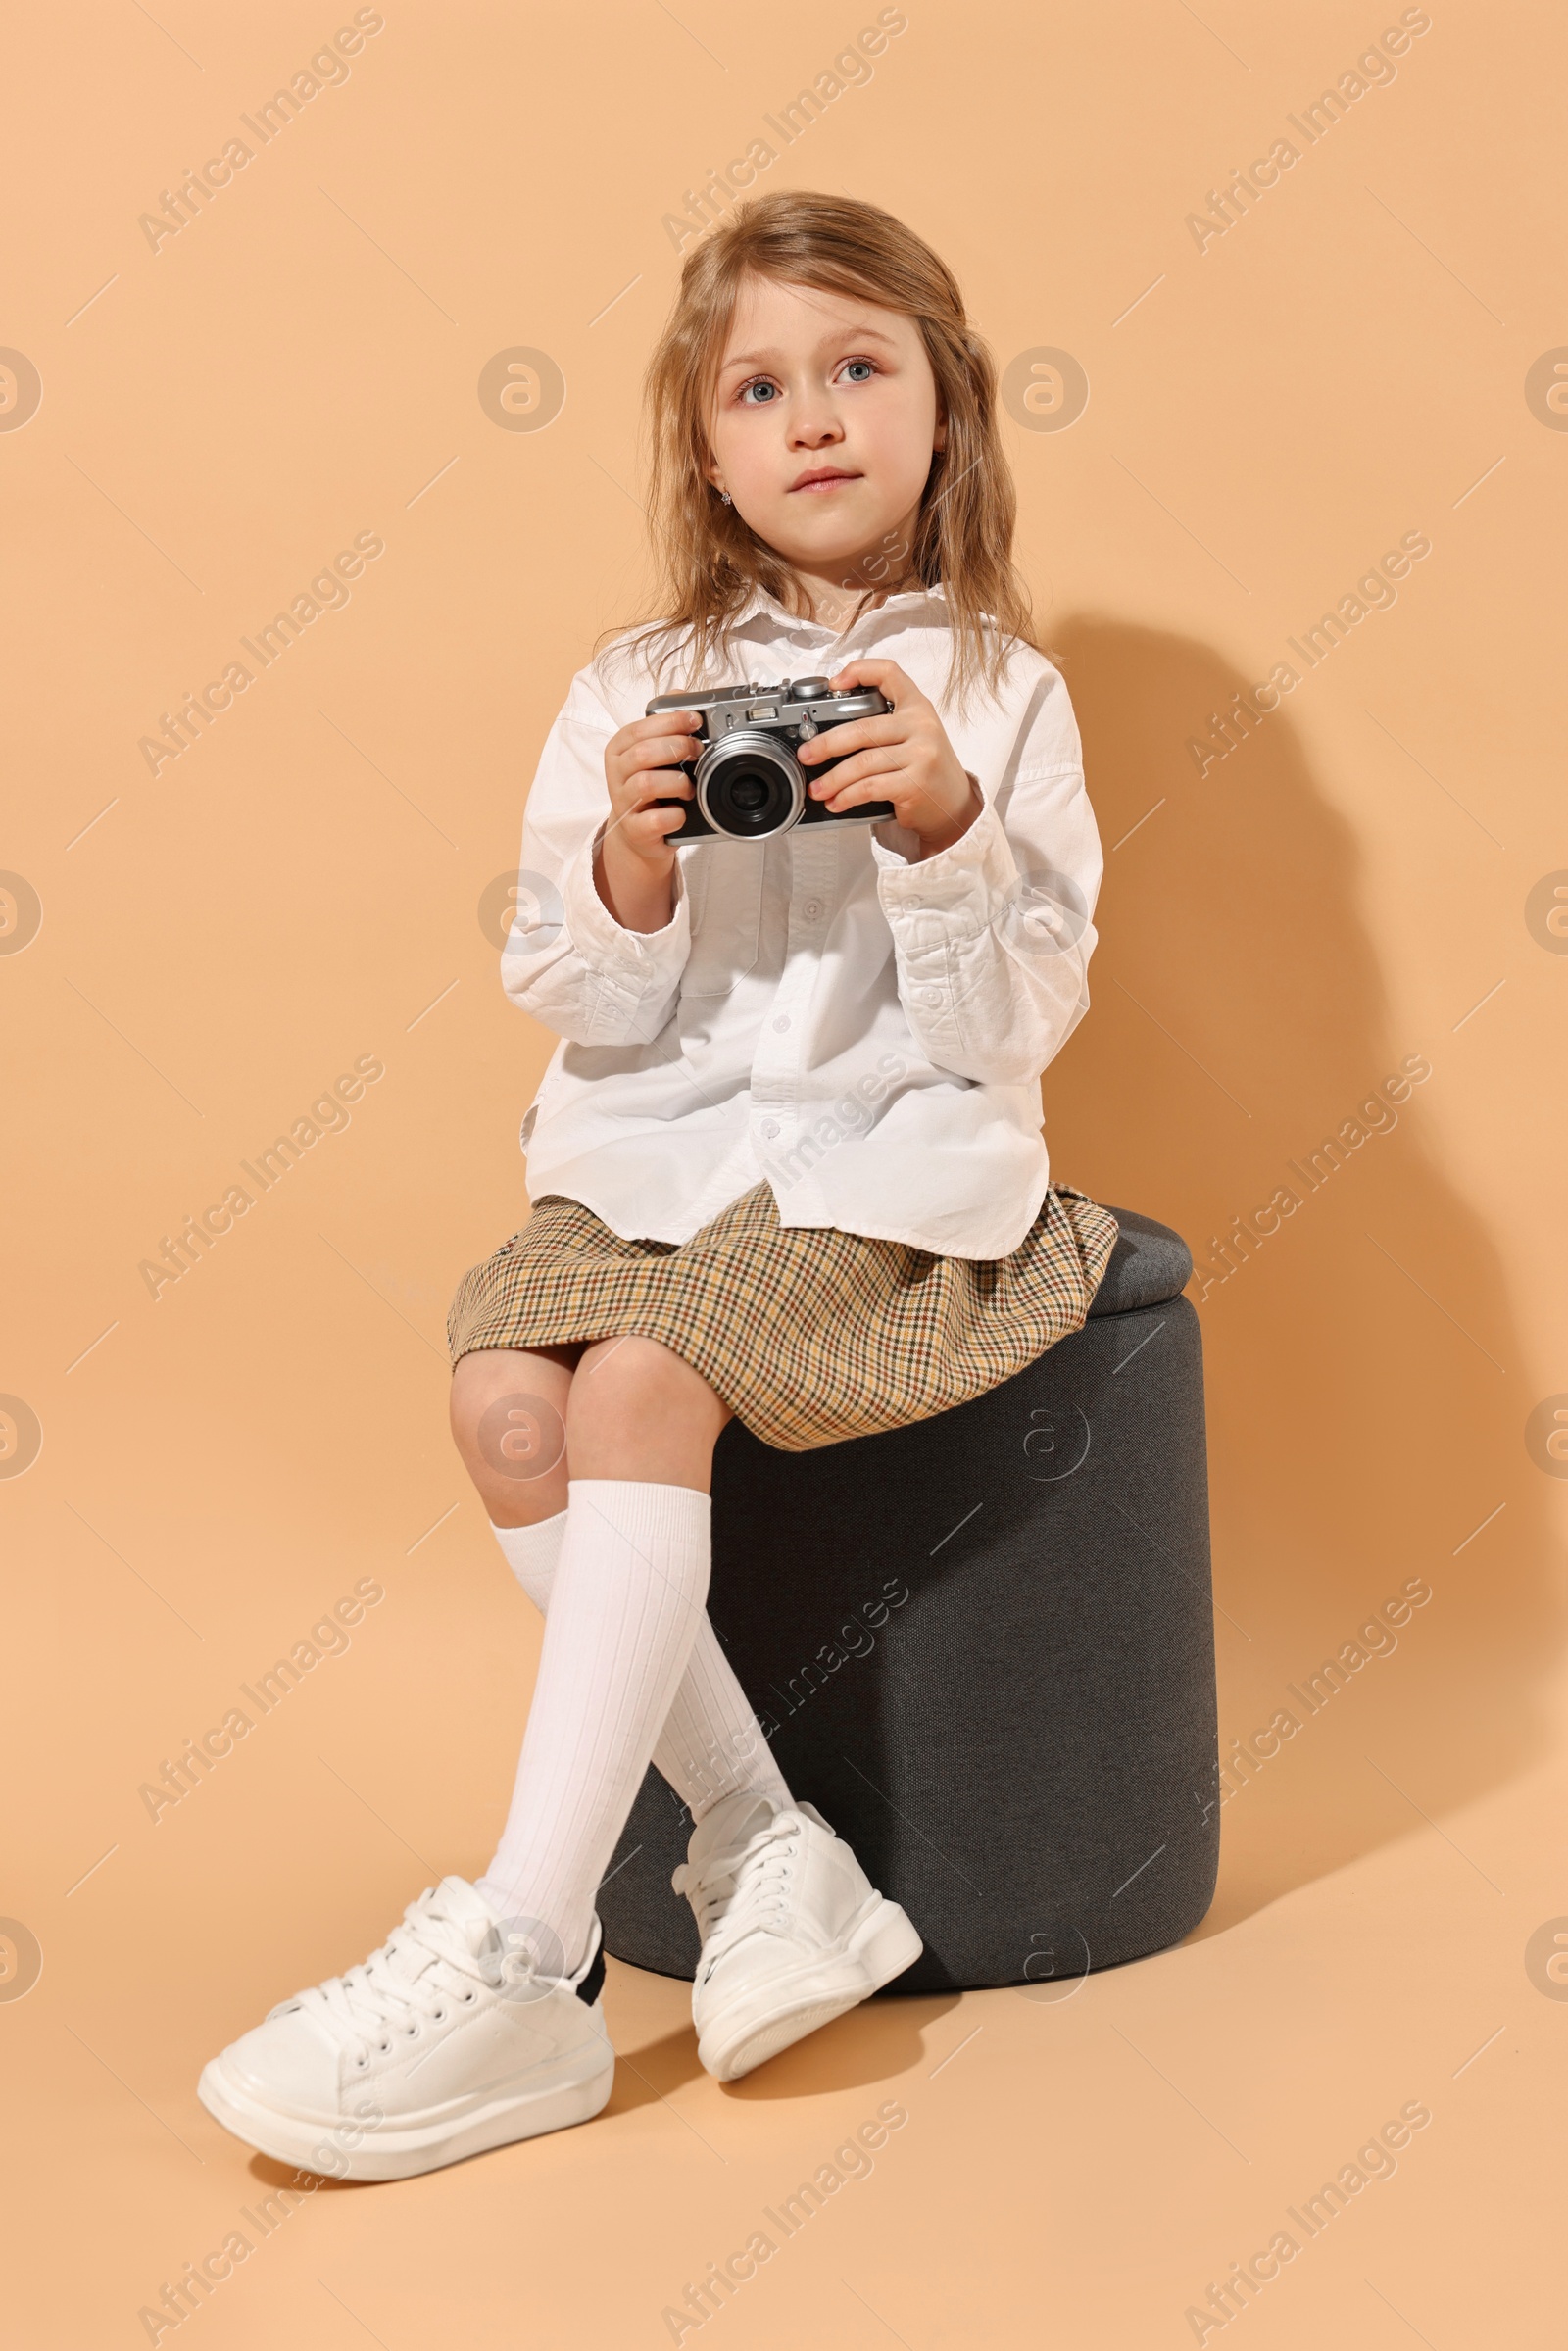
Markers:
point(424, 1967)
point(743, 1888)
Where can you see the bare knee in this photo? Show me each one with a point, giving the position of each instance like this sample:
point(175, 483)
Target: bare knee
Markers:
point(637, 1409)
point(509, 1423)
point(636, 1380)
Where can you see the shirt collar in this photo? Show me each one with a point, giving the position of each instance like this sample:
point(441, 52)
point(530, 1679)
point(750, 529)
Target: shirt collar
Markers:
point(760, 605)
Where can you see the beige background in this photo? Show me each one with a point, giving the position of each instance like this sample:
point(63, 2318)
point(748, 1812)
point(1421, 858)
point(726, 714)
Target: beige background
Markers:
point(301, 887)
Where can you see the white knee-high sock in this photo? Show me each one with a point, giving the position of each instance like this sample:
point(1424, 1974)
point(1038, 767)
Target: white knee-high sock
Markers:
point(712, 1744)
point(627, 1606)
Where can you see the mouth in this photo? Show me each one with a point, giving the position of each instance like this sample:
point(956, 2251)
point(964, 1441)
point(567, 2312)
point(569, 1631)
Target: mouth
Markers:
point(825, 477)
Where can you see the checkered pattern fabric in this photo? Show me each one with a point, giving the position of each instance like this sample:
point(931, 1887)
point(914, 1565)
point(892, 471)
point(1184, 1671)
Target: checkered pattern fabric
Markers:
point(810, 1334)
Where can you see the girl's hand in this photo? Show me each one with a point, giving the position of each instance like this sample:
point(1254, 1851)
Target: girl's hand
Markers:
point(633, 870)
point(904, 756)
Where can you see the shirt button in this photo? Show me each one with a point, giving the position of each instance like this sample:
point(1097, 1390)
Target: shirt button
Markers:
point(811, 910)
point(783, 1021)
point(771, 1128)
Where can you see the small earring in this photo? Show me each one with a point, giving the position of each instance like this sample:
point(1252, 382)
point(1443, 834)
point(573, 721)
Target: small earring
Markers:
point(728, 501)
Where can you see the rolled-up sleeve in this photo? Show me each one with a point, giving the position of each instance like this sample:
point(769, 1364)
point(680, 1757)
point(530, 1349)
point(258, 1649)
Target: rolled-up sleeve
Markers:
point(566, 960)
point(993, 935)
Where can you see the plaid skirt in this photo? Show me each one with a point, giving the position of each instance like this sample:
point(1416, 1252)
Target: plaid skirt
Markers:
point(808, 1335)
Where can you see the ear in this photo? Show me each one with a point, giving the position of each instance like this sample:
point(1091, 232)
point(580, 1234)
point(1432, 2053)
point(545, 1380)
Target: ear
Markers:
point(939, 439)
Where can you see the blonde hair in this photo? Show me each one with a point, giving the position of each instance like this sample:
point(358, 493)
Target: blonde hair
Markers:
point(712, 559)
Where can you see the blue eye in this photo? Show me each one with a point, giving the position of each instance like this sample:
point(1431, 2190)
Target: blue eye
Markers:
point(766, 391)
point(869, 366)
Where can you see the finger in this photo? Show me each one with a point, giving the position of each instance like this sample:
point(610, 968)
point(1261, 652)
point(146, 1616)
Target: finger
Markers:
point(660, 723)
point(656, 757)
point(677, 725)
point(892, 727)
point(644, 828)
point(657, 822)
point(867, 768)
point(666, 733)
point(886, 676)
point(659, 784)
point(628, 820)
point(662, 788)
point(867, 671)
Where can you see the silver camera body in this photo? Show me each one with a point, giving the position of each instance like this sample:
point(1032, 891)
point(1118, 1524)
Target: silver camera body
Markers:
point(749, 785)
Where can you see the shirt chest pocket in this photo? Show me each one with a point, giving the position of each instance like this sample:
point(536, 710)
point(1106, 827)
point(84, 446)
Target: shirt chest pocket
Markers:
point(724, 882)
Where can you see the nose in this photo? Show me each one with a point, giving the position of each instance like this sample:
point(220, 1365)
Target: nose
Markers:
point(814, 424)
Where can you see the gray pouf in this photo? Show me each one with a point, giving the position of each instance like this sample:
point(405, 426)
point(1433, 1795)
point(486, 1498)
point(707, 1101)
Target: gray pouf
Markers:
point(983, 1647)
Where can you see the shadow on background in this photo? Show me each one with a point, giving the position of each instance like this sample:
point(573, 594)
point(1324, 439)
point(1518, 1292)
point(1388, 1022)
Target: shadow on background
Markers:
point(1366, 1389)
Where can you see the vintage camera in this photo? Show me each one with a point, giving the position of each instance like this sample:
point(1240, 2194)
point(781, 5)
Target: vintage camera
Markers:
point(749, 785)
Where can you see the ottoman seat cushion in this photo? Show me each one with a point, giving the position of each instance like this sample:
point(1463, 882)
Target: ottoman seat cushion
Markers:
point(983, 1646)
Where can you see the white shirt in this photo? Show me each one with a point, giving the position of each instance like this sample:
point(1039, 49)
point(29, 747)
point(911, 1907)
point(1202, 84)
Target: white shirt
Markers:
point(861, 1028)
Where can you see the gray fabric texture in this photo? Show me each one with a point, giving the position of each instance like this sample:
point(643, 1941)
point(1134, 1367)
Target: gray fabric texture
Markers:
point(1148, 1264)
point(1023, 1749)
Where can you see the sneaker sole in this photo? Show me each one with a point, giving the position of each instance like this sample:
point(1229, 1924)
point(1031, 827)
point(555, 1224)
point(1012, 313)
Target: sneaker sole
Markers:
point(881, 1947)
point(412, 2148)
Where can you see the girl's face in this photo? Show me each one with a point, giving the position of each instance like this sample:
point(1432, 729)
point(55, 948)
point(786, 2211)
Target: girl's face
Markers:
point(824, 422)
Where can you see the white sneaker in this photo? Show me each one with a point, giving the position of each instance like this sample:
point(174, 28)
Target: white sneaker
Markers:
point(444, 2042)
point(793, 1931)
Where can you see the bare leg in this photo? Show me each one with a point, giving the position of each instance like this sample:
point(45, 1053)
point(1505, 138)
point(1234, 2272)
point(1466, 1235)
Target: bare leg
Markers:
point(525, 1419)
point(629, 1400)
point(639, 1410)
point(509, 1423)
point(625, 1616)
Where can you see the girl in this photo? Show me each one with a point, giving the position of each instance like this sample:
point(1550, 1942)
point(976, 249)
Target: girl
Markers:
point(785, 1163)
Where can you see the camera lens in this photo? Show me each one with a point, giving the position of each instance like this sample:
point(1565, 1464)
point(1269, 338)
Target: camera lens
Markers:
point(747, 799)
point(749, 786)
